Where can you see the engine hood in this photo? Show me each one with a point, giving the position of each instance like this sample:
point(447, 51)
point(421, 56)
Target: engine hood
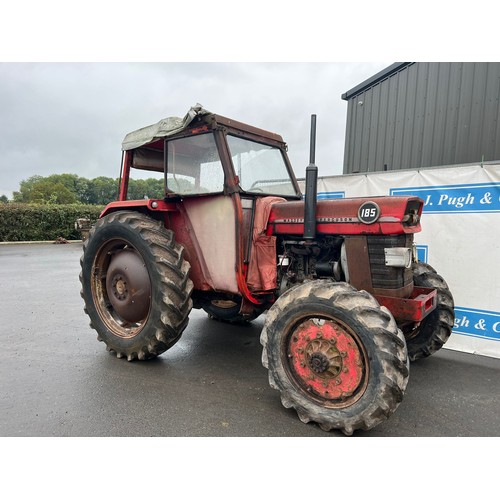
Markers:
point(349, 216)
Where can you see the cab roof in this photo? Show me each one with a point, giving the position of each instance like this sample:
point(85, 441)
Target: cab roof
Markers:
point(174, 125)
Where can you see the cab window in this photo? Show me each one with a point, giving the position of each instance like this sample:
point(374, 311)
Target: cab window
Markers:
point(194, 166)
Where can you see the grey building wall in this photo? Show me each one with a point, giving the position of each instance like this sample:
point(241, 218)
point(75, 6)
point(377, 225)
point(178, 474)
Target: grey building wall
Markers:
point(421, 114)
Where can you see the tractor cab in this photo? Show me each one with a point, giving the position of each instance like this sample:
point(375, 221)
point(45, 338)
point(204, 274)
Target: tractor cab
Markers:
point(208, 155)
point(221, 179)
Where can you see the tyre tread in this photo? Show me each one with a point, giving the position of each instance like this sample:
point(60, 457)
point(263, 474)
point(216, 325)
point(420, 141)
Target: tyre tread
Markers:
point(176, 290)
point(390, 342)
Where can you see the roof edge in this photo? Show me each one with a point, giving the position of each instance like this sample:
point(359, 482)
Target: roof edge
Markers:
point(370, 82)
point(164, 128)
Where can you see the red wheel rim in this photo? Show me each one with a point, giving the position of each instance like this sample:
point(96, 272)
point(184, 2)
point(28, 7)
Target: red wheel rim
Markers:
point(328, 361)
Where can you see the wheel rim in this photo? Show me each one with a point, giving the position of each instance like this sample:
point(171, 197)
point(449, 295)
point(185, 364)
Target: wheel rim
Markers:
point(327, 360)
point(121, 288)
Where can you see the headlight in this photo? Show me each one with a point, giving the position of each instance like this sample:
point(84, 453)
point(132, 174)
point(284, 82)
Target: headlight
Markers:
point(398, 257)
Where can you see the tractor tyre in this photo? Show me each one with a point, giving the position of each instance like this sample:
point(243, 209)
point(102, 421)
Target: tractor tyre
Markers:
point(227, 313)
point(135, 285)
point(427, 337)
point(336, 356)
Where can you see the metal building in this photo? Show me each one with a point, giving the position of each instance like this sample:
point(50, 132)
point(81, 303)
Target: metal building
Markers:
point(424, 114)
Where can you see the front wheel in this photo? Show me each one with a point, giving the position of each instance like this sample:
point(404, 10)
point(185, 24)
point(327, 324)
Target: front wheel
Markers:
point(135, 284)
point(336, 356)
point(427, 337)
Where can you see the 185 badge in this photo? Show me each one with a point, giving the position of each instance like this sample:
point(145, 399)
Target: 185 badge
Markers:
point(368, 212)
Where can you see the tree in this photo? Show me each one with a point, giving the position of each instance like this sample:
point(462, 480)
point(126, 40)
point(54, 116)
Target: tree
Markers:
point(70, 181)
point(56, 188)
point(103, 190)
point(83, 189)
point(70, 188)
point(4, 199)
point(46, 191)
point(138, 189)
point(25, 187)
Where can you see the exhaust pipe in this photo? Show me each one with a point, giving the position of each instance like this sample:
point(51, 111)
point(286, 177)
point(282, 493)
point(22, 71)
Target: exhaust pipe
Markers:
point(311, 188)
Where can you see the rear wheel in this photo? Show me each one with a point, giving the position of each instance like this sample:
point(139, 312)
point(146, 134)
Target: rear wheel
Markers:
point(135, 284)
point(336, 356)
point(427, 337)
point(228, 311)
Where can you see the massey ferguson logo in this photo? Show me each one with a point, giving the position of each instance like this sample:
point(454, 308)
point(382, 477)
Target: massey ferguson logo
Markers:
point(369, 212)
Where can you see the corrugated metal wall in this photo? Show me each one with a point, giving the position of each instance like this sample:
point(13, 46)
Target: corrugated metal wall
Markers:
point(423, 115)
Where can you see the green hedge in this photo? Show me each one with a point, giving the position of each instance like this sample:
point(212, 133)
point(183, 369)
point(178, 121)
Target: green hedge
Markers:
point(27, 222)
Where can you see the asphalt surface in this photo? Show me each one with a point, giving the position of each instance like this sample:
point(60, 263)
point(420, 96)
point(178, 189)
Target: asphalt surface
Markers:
point(56, 379)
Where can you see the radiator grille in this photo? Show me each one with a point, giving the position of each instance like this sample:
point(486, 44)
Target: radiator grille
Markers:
point(384, 276)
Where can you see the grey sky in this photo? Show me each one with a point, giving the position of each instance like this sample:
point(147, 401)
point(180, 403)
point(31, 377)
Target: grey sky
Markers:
point(72, 117)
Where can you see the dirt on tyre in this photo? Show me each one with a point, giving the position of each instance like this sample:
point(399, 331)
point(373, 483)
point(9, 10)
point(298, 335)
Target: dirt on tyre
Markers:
point(428, 336)
point(135, 284)
point(336, 356)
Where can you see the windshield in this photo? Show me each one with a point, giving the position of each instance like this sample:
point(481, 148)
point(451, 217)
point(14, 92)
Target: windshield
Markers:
point(260, 167)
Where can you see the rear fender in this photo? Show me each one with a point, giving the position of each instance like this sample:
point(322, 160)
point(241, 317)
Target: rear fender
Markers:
point(140, 206)
point(174, 219)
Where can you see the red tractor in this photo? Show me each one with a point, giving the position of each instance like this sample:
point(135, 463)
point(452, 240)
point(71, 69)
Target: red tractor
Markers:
point(348, 304)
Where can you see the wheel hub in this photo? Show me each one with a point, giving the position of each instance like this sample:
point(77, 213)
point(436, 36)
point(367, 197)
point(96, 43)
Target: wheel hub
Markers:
point(119, 286)
point(128, 286)
point(325, 359)
point(318, 361)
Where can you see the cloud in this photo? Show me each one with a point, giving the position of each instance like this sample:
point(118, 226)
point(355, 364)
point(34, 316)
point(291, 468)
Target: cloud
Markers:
point(72, 117)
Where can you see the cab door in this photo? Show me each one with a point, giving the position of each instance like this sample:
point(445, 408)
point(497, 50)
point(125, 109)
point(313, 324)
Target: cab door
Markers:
point(194, 172)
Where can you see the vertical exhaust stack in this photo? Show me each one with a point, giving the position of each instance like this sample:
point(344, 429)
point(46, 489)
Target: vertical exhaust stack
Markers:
point(311, 188)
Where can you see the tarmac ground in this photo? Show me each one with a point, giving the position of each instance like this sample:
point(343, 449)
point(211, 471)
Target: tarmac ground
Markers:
point(56, 379)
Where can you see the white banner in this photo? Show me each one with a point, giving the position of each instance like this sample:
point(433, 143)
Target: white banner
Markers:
point(460, 238)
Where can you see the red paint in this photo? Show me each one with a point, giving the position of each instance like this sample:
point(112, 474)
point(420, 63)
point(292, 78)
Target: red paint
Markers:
point(415, 308)
point(340, 216)
point(241, 267)
point(197, 130)
point(125, 176)
point(345, 373)
point(161, 206)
